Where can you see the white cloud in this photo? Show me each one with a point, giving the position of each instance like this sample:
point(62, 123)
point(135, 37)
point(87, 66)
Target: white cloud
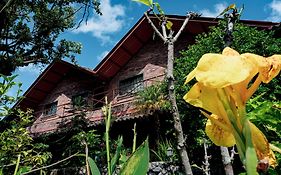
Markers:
point(218, 8)
point(102, 55)
point(275, 7)
point(31, 68)
point(111, 21)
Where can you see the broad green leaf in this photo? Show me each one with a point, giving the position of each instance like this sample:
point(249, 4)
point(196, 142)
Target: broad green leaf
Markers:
point(169, 25)
point(93, 167)
point(145, 2)
point(116, 157)
point(137, 164)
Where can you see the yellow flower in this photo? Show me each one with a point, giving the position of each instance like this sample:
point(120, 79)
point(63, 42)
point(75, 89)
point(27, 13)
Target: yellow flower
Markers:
point(225, 82)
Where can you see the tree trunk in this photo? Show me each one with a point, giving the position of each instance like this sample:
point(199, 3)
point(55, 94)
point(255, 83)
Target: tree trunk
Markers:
point(177, 123)
point(226, 160)
point(228, 39)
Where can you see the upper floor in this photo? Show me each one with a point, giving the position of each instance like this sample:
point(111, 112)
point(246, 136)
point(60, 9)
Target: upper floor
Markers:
point(137, 61)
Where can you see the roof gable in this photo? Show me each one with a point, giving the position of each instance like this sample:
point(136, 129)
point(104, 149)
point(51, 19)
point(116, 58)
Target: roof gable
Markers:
point(141, 32)
point(47, 81)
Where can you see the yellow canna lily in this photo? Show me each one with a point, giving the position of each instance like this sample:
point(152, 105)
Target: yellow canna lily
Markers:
point(225, 82)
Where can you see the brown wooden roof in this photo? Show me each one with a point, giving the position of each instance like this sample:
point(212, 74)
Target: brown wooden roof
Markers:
point(47, 81)
point(141, 32)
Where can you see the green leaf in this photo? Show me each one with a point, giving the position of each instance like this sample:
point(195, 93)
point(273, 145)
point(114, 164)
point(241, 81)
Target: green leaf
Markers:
point(145, 2)
point(93, 167)
point(231, 6)
point(169, 25)
point(159, 8)
point(23, 170)
point(251, 161)
point(117, 154)
point(251, 156)
point(137, 164)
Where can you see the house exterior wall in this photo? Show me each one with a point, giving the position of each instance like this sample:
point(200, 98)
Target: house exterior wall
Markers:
point(150, 61)
point(70, 86)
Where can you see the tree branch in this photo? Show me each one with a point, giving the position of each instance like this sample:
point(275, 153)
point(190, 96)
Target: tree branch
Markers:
point(188, 16)
point(164, 29)
point(154, 28)
point(6, 5)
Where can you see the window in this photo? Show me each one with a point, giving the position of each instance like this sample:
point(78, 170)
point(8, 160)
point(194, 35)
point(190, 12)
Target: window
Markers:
point(80, 100)
point(51, 109)
point(131, 85)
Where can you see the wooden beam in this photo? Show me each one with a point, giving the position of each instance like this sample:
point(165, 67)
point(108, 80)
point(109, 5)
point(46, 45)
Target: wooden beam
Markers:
point(127, 51)
point(118, 65)
point(41, 90)
point(139, 39)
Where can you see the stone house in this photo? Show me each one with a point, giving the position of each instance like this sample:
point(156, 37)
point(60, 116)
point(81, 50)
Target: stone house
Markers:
point(138, 60)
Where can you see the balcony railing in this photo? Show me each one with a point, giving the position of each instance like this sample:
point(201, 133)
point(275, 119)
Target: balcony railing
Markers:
point(122, 105)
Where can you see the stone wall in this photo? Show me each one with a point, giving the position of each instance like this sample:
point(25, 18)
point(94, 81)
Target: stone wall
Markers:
point(163, 168)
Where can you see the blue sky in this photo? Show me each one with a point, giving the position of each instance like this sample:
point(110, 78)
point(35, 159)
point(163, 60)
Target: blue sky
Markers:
point(101, 33)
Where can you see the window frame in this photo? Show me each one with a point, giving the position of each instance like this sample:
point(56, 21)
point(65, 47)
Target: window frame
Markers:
point(51, 109)
point(131, 85)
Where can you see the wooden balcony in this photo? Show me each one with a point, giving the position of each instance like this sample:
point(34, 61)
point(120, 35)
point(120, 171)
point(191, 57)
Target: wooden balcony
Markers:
point(123, 108)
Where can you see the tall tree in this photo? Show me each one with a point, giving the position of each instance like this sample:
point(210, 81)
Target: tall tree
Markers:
point(29, 30)
point(170, 40)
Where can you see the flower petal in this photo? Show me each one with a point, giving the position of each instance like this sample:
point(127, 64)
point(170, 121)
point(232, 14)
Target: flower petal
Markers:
point(262, 146)
point(268, 68)
point(206, 98)
point(190, 76)
point(230, 52)
point(219, 136)
point(218, 71)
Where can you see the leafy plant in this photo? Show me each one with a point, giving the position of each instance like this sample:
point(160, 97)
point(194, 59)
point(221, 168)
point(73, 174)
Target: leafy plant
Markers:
point(153, 98)
point(137, 164)
point(17, 148)
point(8, 82)
point(33, 29)
point(161, 151)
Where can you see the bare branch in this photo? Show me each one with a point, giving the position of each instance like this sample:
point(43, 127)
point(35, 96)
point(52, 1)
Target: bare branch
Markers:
point(154, 28)
point(188, 16)
point(164, 29)
point(206, 167)
point(6, 5)
point(233, 152)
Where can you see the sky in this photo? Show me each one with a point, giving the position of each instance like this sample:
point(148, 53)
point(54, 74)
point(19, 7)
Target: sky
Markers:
point(101, 33)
